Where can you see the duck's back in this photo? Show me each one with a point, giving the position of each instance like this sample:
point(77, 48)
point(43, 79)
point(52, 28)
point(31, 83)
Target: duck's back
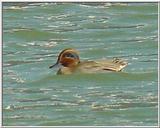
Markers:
point(101, 66)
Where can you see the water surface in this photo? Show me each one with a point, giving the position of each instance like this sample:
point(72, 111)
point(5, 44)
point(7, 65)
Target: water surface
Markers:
point(35, 33)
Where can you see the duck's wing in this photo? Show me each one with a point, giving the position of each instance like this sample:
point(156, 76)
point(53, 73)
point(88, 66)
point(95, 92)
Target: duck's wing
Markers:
point(113, 65)
point(102, 65)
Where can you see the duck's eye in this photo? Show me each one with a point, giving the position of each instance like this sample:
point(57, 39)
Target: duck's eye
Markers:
point(70, 55)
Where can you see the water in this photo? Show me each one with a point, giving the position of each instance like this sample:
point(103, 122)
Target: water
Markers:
point(35, 33)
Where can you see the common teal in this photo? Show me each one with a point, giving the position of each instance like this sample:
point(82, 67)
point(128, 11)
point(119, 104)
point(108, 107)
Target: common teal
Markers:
point(70, 63)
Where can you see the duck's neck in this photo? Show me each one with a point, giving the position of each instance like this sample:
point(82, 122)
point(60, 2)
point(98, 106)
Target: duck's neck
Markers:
point(71, 65)
point(69, 69)
point(66, 70)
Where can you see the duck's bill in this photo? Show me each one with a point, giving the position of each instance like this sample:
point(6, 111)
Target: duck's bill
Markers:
point(56, 64)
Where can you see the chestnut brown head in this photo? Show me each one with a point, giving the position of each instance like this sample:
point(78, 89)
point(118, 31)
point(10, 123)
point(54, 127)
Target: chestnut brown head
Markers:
point(68, 58)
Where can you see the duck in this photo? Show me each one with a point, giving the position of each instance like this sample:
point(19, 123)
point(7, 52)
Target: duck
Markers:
point(69, 62)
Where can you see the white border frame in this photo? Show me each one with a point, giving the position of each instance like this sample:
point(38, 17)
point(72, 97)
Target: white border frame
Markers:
point(158, 62)
point(1, 95)
point(1, 107)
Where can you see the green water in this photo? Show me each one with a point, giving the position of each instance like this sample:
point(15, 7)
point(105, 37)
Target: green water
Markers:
point(35, 33)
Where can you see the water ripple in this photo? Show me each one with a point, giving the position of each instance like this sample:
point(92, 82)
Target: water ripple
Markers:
point(16, 62)
point(34, 106)
point(122, 106)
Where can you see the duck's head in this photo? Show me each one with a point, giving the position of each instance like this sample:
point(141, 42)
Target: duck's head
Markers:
point(68, 58)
